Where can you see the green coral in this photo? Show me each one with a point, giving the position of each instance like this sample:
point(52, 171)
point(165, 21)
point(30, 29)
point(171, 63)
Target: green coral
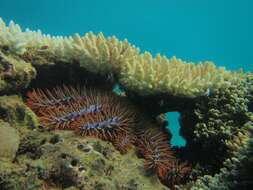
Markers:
point(14, 111)
point(216, 119)
point(15, 73)
point(237, 172)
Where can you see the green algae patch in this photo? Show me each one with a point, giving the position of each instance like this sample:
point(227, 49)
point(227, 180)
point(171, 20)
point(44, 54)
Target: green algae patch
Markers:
point(63, 160)
point(15, 112)
point(18, 177)
point(15, 74)
point(9, 141)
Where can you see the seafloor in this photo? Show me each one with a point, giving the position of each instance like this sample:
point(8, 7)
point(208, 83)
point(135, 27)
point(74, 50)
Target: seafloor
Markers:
point(46, 143)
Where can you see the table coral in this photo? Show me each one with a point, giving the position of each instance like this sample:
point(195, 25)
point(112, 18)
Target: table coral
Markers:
point(139, 72)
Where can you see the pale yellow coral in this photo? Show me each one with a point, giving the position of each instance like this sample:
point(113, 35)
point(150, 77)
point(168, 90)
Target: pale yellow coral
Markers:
point(148, 75)
point(138, 72)
point(99, 54)
point(94, 52)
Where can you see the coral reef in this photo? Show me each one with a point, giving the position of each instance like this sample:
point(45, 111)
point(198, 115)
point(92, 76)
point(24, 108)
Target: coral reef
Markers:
point(216, 108)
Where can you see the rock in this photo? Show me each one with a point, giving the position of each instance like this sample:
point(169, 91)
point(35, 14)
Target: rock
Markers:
point(14, 111)
point(9, 141)
point(64, 160)
point(15, 73)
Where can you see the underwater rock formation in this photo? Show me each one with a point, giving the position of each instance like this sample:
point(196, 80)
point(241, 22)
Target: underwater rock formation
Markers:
point(15, 74)
point(60, 159)
point(9, 141)
point(14, 111)
point(215, 104)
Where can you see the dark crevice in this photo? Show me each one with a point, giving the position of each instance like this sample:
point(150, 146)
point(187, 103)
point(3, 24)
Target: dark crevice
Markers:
point(49, 76)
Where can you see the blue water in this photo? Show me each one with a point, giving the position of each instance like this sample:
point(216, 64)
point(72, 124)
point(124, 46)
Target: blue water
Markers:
point(194, 30)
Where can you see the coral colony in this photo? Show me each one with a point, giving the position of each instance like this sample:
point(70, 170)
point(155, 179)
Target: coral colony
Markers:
point(215, 108)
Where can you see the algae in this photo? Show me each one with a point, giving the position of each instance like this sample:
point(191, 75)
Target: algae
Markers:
point(15, 73)
point(60, 159)
point(14, 111)
point(9, 141)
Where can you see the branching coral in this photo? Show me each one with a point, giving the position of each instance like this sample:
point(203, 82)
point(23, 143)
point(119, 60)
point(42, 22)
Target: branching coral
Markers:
point(140, 73)
point(215, 120)
point(100, 54)
point(237, 170)
point(148, 75)
point(94, 52)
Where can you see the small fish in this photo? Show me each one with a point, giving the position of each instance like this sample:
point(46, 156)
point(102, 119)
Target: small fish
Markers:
point(208, 92)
